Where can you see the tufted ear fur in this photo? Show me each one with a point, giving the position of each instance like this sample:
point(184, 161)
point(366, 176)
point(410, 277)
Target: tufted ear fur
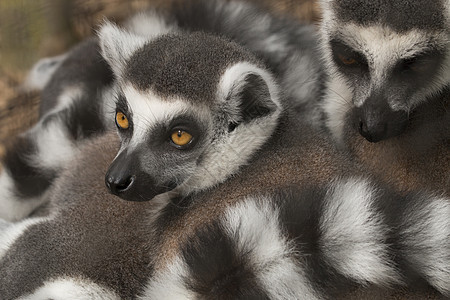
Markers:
point(118, 45)
point(248, 92)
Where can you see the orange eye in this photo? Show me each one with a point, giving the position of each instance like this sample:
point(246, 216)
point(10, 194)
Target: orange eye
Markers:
point(346, 60)
point(181, 138)
point(122, 120)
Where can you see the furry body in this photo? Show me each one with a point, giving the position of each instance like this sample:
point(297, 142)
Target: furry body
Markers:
point(129, 248)
point(272, 39)
point(416, 159)
point(71, 110)
point(275, 221)
point(388, 68)
point(261, 205)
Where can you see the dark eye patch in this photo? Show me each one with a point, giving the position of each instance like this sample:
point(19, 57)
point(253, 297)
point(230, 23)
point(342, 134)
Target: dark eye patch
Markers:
point(426, 62)
point(232, 126)
point(122, 106)
point(160, 135)
point(347, 58)
point(416, 72)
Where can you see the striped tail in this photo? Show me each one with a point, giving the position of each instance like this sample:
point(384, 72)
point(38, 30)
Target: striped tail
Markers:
point(314, 244)
point(73, 109)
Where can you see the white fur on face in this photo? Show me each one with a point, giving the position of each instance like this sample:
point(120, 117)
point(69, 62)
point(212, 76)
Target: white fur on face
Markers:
point(354, 236)
point(255, 223)
point(223, 156)
point(338, 102)
point(226, 155)
point(383, 47)
point(149, 110)
point(301, 79)
point(69, 288)
point(108, 107)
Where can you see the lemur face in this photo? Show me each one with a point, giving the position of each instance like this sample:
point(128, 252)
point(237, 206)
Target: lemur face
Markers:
point(190, 109)
point(390, 55)
point(162, 143)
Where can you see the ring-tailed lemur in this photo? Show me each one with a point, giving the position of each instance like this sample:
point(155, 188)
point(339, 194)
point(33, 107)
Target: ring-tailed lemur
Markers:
point(419, 158)
point(288, 47)
point(295, 218)
point(71, 111)
point(385, 61)
point(273, 39)
point(389, 80)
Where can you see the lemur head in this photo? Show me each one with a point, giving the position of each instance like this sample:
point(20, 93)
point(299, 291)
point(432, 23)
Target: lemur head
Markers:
point(190, 110)
point(390, 56)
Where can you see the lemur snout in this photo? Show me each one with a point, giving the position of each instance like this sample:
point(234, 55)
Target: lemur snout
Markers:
point(119, 185)
point(376, 121)
point(127, 180)
point(372, 128)
point(376, 128)
point(122, 176)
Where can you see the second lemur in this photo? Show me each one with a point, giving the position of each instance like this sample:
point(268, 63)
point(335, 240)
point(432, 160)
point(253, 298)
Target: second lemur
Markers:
point(388, 89)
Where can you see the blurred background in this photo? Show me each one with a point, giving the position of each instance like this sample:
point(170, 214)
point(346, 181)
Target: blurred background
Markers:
point(32, 29)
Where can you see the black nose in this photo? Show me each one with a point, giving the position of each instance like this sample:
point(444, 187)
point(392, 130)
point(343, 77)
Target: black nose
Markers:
point(377, 121)
point(372, 131)
point(118, 185)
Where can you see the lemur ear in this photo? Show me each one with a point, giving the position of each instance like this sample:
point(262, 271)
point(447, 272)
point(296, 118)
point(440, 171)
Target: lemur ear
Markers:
point(249, 92)
point(118, 45)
